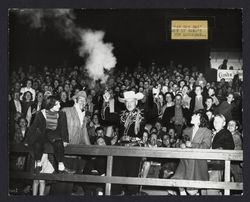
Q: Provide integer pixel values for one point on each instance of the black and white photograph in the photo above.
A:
(125, 102)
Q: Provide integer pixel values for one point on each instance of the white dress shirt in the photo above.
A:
(81, 114)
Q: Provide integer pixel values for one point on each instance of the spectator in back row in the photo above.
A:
(29, 88)
(198, 101)
(176, 115)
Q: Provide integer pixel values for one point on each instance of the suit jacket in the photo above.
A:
(223, 139)
(170, 112)
(78, 133)
(18, 137)
(192, 103)
(38, 129)
(34, 107)
(195, 169)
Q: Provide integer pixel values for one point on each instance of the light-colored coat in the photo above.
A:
(78, 133)
(189, 169)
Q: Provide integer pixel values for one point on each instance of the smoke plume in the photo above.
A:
(99, 55)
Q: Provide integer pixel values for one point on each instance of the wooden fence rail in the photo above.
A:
(110, 151)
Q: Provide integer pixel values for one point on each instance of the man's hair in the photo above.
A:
(198, 86)
(209, 98)
(30, 81)
(171, 94)
(22, 117)
(99, 128)
(220, 116)
(178, 94)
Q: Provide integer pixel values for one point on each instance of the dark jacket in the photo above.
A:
(119, 119)
(223, 139)
(170, 112)
(192, 103)
(38, 128)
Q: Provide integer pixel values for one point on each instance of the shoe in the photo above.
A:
(67, 170)
(37, 170)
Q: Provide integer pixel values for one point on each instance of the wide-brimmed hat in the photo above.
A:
(80, 94)
(131, 95)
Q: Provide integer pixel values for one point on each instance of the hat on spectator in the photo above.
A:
(80, 94)
(131, 95)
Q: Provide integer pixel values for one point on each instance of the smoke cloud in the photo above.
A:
(99, 55)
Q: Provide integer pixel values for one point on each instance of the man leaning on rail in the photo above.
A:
(131, 125)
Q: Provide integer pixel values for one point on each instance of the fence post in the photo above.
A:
(109, 174)
(227, 176)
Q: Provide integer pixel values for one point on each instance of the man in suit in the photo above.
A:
(176, 115)
(198, 101)
(76, 120)
(78, 134)
(222, 139)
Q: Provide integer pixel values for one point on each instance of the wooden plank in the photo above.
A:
(109, 174)
(227, 176)
(131, 180)
(235, 155)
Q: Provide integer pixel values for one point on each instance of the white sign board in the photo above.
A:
(228, 75)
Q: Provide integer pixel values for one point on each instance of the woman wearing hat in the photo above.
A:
(131, 126)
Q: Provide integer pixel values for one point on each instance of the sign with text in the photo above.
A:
(228, 75)
(189, 29)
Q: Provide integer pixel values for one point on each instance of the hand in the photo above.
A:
(183, 146)
(91, 124)
(65, 144)
(26, 144)
(106, 96)
(188, 144)
(33, 111)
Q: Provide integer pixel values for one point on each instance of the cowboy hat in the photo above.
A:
(131, 95)
(80, 94)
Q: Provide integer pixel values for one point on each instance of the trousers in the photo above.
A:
(125, 167)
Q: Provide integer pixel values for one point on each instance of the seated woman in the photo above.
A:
(200, 138)
(49, 126)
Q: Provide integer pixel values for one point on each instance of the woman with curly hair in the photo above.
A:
(199, 137)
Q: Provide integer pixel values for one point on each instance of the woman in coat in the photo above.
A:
(199, 138)
(49, 126)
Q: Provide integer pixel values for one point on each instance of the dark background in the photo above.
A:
(136, 34)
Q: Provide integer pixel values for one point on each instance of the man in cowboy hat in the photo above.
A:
(76, 120)
(131, 125)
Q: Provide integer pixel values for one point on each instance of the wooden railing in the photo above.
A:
(110, 151)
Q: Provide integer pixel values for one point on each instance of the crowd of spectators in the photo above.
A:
(172, 94)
